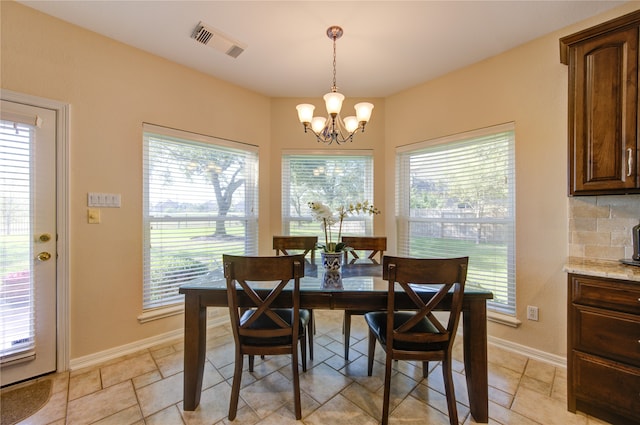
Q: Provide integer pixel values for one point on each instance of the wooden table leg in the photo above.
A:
(195, 333)
(474, 322)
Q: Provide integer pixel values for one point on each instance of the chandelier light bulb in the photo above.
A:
(305, 112)
(318, 123)
(333, 101)
(363, 111)
(351, 123)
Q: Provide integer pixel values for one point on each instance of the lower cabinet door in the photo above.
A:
(610, 385)
(609, 334)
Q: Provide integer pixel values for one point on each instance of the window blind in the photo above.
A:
(335, 179)
(200, 201)
(456, 197)
(17, 333)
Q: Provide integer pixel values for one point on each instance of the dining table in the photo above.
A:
(355, 286)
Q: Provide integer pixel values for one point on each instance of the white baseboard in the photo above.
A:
(553, 359)
(123, 350)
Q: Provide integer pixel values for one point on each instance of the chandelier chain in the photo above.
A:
(334, 88)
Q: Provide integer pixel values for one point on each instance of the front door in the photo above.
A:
(28, 237)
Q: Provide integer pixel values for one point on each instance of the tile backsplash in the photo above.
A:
(600, 226)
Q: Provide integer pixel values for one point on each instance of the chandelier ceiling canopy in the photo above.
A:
(333, 128)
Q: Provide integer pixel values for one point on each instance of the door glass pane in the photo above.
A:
(17, 333)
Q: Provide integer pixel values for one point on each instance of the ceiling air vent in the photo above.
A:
(202, 35)
(209, 36)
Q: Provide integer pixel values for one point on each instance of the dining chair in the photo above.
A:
(286, 245)
(376, 246)
(418, 334)
(306, 244)
(255, 282)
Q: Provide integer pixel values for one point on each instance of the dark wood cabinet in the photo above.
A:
(603, 107)
(603, 353)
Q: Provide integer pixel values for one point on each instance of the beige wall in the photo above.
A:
(113, 88)
(526, 85)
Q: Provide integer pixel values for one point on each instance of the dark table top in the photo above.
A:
(360, 278)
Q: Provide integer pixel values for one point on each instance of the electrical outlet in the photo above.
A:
(532, 313)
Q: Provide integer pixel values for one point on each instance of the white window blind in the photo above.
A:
(333, 178)
(456, 197)
(17, 311)
(200, 201)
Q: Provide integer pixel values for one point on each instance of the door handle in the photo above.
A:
(629, 162)
(43, 256)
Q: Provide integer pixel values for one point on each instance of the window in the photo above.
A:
(336, 178)
(200, 200)
(456, 197)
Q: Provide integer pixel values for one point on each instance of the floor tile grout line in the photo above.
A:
(551, 381)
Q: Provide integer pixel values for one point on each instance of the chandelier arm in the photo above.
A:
(334, 131)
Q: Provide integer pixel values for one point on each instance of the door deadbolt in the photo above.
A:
(44, 256)
(45, 237)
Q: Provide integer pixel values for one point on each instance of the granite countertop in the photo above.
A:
(602, 268)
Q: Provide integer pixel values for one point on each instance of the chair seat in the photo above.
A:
(377, 322)
(265, 322)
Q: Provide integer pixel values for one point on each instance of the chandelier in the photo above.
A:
(333, 128)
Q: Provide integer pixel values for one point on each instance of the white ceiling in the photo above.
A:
(387, 46)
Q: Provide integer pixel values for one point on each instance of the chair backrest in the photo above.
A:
(440, 274)
(271, 274)
(376, 244)
(306, 244)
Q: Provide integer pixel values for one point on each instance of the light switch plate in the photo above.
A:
(93, 216)
(104, 200)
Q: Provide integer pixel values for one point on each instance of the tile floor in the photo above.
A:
(146, 388)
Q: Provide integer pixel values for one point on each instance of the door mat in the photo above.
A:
(20, 403)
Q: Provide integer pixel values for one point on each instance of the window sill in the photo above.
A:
(503, 319)
(161, 313)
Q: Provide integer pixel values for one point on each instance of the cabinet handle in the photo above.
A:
(629, 161)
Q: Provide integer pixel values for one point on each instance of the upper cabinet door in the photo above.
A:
(603, 113)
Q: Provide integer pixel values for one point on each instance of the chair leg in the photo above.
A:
(312, 322)
(387, 390)
(296, 380)
(311, 329)
(303, 352)
(425, 369)
(251, 362)
(371, 353)
(449, 390)
(347, 333)
(235, 387)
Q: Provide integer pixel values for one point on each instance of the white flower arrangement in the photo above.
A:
(327, 219)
